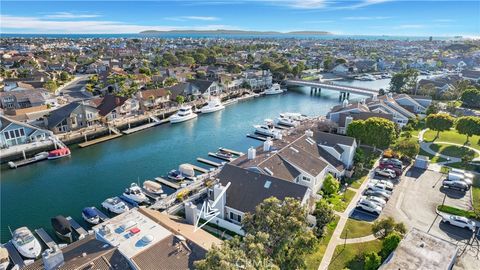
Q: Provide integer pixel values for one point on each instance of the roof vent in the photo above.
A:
(294, 150)
(267, 184)
(310, 141)
(422, 245)
(268, 171)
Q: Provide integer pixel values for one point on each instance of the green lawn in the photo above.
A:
(313, 260)
(351, 256)
(456, 211)
(451, 150)
(453, 137)
(433, 159)
(476, 193)
(341, 201)
(468, 167)
(356, 228)
(358, 182)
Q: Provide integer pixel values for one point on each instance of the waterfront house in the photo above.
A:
(15, 133)
(22, 101)
(112, 107)
(345, 118)
(410, 103)
(153, 98)
(258, 79)
(340, 69)
(204, 88)
(70, 117)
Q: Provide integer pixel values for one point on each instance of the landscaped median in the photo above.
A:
(456, 211)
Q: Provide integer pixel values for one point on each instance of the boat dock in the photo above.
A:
(99, 140)
(256, 137)
(14, 255)
(23, 162)
(155, 122)
(45, 237)
(102, 216)
(167, 183)
(79, 229)
(198, 169)
(220, 157)
(209, 162)
(231, 151)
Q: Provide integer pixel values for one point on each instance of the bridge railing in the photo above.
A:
(336, 85)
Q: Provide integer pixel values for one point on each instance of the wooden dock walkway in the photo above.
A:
(102, 215)
(155, 122)
(238, 153)
(45, 237)
(197, 168)
(256, 137)
(220, 157)
(79, 229)
(24, 162)
(209, 162)
(14, 255)
(167, 183)
(99, 140)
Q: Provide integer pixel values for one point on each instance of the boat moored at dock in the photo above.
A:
(267, 129)
(90, 215)
(115, 205)
(185, 113)
(274, 90)
(62, 228)
(175, 175)
(153, 187)
(26, 244)
(59, 153)
(213, 105)
(135, 193)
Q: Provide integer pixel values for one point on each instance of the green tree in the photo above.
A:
(64, 76)
(375, 131)
(170, 81)
(372, 261)
(89, 87)
(170, 59)
(471, 98)
(145, 70)
(50, 85)
(432, 109)
(324, 215)
(468, 125)
(386, 226)
(328, 63)
(330, 185)
(404, 81)
(200, 58)
(180, 99)
(439, 122)
(407, 147)
(390, 243)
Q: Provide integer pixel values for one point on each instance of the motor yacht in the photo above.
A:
(115, 205)
(224, 154)
(175, 175)
(152, 187)
(267, 129)
(134, 192)
(286, 121)
(294, 116)
(59, 153)
(213, 105)
(275, 89)
(62, 228)
(184, 114)
(90, 215)
(26, 244)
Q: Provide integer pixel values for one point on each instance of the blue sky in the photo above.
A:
(353, 17)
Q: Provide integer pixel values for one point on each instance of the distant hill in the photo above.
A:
(233, 32)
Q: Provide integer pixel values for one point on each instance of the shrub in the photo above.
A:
(389, 244)
(324, 215)
(372, 261)
(330, 185)
(386, 226)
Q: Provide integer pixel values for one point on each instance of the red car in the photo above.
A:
(391, 167)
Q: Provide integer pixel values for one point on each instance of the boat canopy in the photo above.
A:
(61, 225)
(89, 212)
(152, 185)
(60, 151)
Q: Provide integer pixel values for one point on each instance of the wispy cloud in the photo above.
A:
(319, 21)
(306, 4)
(443, 20)
(367, 3)
(410, 26)
(365, 18)
(324, 4)
(43, 25)
(69, 15)
(192, 18)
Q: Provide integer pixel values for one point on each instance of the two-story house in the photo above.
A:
(15, 133)
(73, 116)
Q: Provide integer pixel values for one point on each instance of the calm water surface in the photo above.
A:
(31, 195)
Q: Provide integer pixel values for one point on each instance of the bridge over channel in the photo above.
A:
(344, 90)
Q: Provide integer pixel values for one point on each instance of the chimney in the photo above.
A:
(252, 153)
(267, 144)
(52, 258)
(309, 133)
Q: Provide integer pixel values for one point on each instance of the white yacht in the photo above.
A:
(135, 193)
(213, 105)
(185, 113)
(115, 205)
(285, 121)
(267, 129)
(294, 116)
(153, 187)
(275, 89)
(90, 215)
(26, 244)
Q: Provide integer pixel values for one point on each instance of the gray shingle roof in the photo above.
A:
(58, 115)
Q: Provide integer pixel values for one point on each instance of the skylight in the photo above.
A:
(267, 184)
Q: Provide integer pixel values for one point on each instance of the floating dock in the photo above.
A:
(14, 255)
(155, 122)
(23, 162)
(231, 151)
(102, 216)
(79, 229)
(197, 168)
(167, 183)
(256, 137)
(45, 237)
(99, 140)
(219, 157)
(209, 162)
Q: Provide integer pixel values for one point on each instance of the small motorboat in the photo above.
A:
(134, 193)
(152, 187)
(267, 129)
(224, 154)
(213, 105)
(175, 175)
(4, 258)
(185, 113)
(62, 228)
(275, 89)
(59, 153)
(285, 121)
(90, 215)
(115, 205)
(26, 244)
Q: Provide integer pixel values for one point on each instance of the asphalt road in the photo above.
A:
(73, 90)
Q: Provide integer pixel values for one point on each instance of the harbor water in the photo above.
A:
(31, 195)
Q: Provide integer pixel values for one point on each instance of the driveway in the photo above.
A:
(73, 91)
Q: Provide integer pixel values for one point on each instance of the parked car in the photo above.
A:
(381, 187)
(386, 173)
(398, 171)
(377, 200)
(459, 185)
(369, 206)
(373, 182)
(453, 176)
(459, 221)
(392, 161)
(378, 193)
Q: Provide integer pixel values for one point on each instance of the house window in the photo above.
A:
(304, 178)
(7, 135)
(22, 132)
(235, 218)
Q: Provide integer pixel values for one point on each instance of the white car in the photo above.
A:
(373, 182)
(377, 200)
(369, 206)
(459, 221)
(386, 173)
(381, 187)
